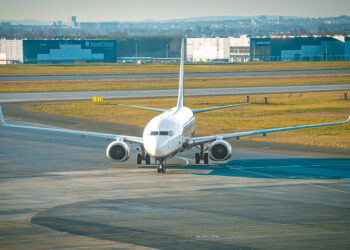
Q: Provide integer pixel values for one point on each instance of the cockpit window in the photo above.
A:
(163, 133)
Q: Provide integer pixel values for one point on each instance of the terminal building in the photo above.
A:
(57, 51)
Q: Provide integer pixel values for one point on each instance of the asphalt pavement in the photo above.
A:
(171, 75)
(60, 192)
(146, 93)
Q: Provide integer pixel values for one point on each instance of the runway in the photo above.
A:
(60, 192)
(120, 94)
(171, 75)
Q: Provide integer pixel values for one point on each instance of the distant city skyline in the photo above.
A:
(140, 10)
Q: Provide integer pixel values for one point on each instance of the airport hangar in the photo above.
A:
(57, 51)
(277, 48)
(231, 49)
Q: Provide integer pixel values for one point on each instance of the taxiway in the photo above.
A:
(154, 93)
(61, 192)
(172, 75)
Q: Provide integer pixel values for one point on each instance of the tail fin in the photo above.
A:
(180, 100)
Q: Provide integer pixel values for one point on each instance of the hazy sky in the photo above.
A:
(136, 10)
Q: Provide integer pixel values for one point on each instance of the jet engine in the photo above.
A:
(220, 150)
(118, 151)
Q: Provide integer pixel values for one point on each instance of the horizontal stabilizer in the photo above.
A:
(146, 108)
(215, 108)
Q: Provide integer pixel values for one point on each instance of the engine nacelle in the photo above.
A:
(118, 151)
(220, 150)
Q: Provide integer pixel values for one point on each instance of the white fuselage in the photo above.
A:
(164, 135)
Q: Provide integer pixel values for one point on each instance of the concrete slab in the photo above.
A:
(60, 192)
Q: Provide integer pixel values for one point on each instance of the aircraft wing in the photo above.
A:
(133, 139)
(220, 107)
(205, 139)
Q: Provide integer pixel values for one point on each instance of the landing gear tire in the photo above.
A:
(161, 168)
(148, 159)
(198, 158)
(139, 159)
(206, 158)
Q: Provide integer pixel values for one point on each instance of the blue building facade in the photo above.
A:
(67, 51)
(297, 49)
(347, 48)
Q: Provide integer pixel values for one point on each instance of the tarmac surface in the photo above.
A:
(171, 75)
(149, 93)
(60, 192)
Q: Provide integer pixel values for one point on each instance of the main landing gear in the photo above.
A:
(147, 159)
(202, 156)
(143, 157)
(161, 167)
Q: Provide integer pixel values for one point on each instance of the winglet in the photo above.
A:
(180, 100)
(3, 123)
(347, 120)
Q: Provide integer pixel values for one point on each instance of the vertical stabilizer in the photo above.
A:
(180, 100)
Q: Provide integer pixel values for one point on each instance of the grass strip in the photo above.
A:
(283, 110)
(110, 68)
(162, 83)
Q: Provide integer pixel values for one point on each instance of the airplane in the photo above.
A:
(169, 133)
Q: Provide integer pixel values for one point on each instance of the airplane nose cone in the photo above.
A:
(156, 147)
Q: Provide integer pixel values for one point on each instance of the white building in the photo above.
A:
(239, 49)
(218, 49)
(72, 22)
(207, 49)
(11, 51)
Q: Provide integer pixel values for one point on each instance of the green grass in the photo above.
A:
(109, 68)
(162, 83)
(284, 110)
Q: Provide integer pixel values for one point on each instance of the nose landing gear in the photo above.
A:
(161, 167)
